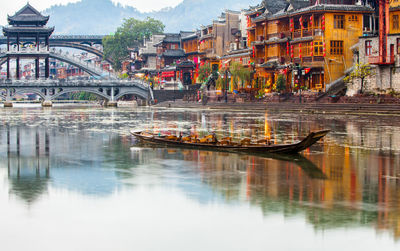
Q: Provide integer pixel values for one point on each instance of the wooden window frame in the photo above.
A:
(368, 48)
(318, 48)
(339, 21)
(336, 47)
(398, 46)
(395, 22)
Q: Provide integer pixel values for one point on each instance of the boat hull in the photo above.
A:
(310, 140)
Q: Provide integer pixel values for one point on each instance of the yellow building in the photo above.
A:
(310, 44)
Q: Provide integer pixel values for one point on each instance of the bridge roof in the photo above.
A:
(28, 15)
(67, 38)
(26, 30)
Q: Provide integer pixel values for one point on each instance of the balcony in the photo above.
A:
(274, 35)
(307, 33)
(376, 60)
(260, 38)
(297, 34)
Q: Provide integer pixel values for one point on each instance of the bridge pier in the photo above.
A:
(111, 104)
(47, 103)
(8, 104)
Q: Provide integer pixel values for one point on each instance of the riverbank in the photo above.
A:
(313, 108)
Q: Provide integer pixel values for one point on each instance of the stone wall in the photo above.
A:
(384, 77)
(170, 95)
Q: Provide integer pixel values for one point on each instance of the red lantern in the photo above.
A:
(311, 21)
(301, 22)
(291, 25)
(287, 48)
(323, 23)
(312, 49)
(292, 51)
(254, 52)
(324, 49)
(307, 70)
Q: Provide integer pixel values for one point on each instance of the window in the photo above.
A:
(353, 18)
(398, 46)
(336, 47)
(395, 24)
(368, 48)
(338, 21)
(318, 48)
(308, 49)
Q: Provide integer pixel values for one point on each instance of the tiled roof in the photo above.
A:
(190, 36)
(298, 4)
(174, 53)
(172, 38)
(273, 6)
(325, 7)
(28, 14)
(24, 29)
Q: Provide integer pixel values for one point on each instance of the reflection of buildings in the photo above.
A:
(349, 196)
(28, 173)
(358, 160)
(31, 153)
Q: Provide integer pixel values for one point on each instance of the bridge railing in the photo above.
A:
(42, 49)
(51, 83)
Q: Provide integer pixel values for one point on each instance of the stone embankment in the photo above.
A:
(312, 108)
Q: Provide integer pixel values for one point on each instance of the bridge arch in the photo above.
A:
(29, 90)
(81, 46)
(88, 90)
(92, 72)
(137, 92)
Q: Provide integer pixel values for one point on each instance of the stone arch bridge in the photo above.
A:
(90, 68)
(110, 90)
(80, 42)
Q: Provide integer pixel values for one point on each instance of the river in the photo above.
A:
(74, 179)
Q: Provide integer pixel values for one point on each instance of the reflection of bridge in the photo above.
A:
(48, 90)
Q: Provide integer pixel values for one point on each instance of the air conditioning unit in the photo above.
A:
(233, 47)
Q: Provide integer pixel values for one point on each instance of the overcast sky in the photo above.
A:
(11, 6)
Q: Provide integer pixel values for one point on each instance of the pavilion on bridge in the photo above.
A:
(26, 34)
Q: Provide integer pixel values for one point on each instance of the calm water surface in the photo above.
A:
(74, 179)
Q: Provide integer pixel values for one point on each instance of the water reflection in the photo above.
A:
(28, 175)
(349, 180)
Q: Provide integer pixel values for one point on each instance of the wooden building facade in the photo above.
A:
(310, 44)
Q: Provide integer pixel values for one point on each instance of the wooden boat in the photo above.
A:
(310, 140)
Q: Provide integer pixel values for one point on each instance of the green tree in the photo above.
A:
(132, 33)
(361, 71)
(240, 74)
(280, 83)
(204, 72)
(83, 96)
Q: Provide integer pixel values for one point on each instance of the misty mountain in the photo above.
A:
(103, 16)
